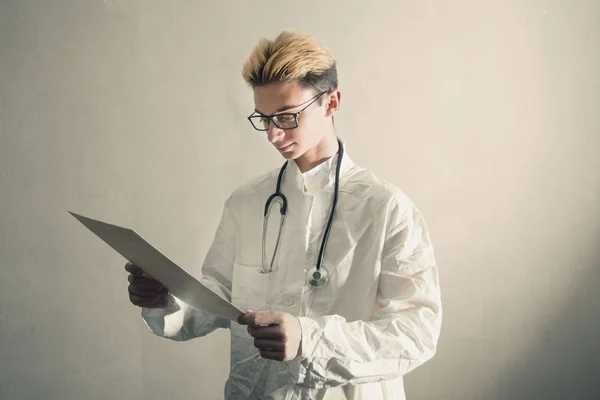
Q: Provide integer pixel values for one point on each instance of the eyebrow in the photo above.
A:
(280, 109)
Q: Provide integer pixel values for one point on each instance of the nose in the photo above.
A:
(274, 133)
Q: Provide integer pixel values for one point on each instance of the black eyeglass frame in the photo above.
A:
(272, 118)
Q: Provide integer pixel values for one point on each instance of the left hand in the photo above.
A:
(281, 340)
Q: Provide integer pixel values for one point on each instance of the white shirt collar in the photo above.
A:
(321, 177)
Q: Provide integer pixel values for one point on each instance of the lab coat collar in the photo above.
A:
(321, 177)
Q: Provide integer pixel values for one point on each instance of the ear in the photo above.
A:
(332, 102)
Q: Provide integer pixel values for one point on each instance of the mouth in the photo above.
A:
(285, 148)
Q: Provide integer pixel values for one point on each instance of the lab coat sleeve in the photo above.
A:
(178, 321)
(404, 328)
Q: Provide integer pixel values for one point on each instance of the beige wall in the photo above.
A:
(485, 113)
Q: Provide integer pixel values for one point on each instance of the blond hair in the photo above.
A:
(291, 57)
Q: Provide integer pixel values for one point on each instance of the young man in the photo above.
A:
(370, 314)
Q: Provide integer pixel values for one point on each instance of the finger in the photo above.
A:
(149, 302)
(133, 269)
(140, 301)
(268, 318)
(267, 332)
(146, 292)
(262, 318)
(160, 302)
(245, 318)
(271, 355)
(143, 300)
(143, 282)
(272, 345)
(150, 290)
(144, 296)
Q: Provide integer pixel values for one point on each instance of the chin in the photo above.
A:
(292, 155)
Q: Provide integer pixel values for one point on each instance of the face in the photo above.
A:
(313, 123)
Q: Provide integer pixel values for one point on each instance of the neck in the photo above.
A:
(323, 151)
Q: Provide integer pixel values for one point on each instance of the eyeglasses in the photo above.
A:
(282, 121)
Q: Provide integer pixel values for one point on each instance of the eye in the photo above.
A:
(285, 118)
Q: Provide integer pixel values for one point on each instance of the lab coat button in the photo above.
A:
(281, 365)
(289, 300)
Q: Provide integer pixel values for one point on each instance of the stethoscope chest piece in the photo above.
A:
(317, 279)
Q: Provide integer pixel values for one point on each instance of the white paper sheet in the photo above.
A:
(141, 253)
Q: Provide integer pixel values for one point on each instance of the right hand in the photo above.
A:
(144, 291)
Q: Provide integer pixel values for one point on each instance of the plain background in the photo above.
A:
(486, 113)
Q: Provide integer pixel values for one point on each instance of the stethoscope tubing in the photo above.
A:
(318, 279)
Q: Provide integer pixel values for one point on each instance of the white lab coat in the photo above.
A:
(378, 317)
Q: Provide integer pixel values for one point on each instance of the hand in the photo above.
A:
(281, 340)
(145, 291)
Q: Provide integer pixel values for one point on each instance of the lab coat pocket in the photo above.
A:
(249, 287)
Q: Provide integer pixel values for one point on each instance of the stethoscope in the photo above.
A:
(317, 276)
